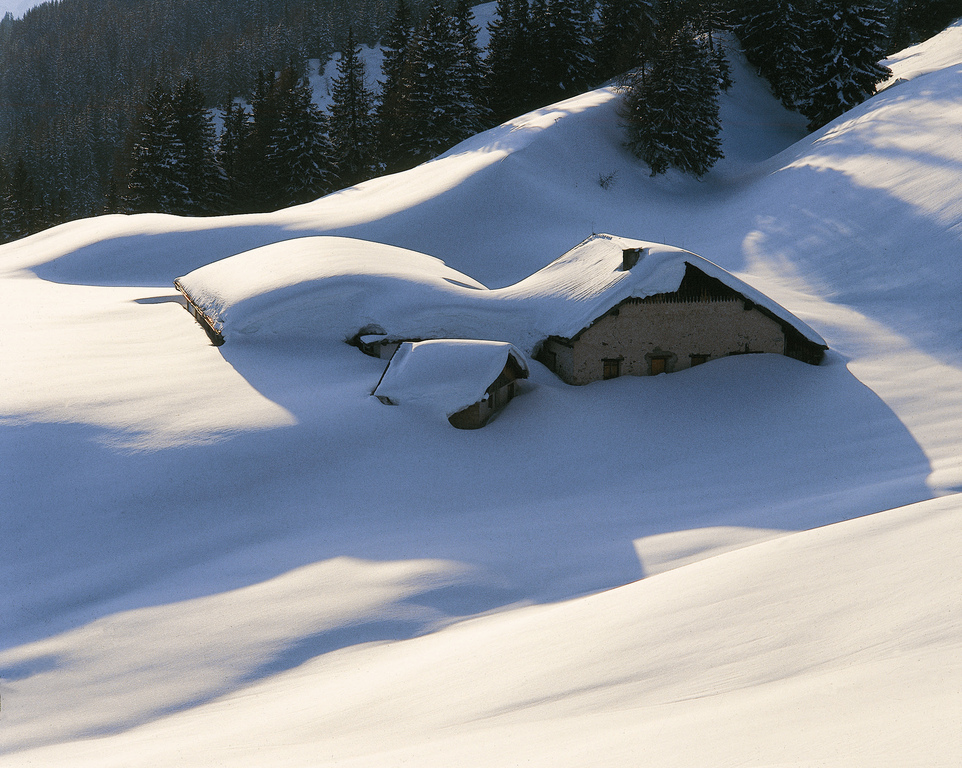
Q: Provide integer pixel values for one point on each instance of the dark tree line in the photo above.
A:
(84, 129)
(75, 74)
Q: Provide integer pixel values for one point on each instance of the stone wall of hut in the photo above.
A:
(642, 337)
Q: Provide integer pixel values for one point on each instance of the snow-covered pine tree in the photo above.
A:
(256, 178)
(709, 18)
(19, 214)
(570, 65)
(231, 155)
(195, 169)
(151, 182)
(508, 81)
(351, 119)
(671, 113)
(916, 20)
(849, 41)
(471, 114)
(625, 36)
(393, 114)
(299, 151)
(776, 36)
(431, 98)
(540, 71)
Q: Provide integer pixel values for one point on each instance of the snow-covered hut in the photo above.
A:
(465, 380)
(608, 307)
(641, 309)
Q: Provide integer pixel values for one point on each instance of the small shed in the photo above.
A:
(466, 381)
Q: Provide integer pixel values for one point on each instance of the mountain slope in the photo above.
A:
(200, 543)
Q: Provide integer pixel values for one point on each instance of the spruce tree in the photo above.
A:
(151, 181)
(541, 69)
(671, 113)
(232, 156)
(431, 98)
(258, 178)
(195, 170)
(471, 113)
(777, 39)
(508, 84)
(172, 165)
(19, 209)
(351, 119)
(393, 112)
(299, 152)
(571, 44)
(625, 36)
(849, 41)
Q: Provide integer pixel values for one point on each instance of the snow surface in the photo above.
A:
(445, 376)
(236, 556)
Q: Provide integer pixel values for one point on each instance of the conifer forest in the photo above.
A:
(204, 108)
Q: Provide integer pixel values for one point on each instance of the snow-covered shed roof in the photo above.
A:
(587, 281)
(333, 287)
(445, 375)
(324, 286)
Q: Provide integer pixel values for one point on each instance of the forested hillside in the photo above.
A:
(108, 105)
(75, 73)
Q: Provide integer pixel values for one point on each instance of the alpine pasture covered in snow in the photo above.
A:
(237, 556)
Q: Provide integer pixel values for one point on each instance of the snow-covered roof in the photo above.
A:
(334, 287)
(587, 281)
(325, 286)
(445, 375)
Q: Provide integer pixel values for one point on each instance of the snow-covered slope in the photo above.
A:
(237, 556)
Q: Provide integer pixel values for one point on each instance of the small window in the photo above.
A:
(659, 365)
(612, 369)
(698, 360)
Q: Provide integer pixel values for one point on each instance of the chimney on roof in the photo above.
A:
(630, 257)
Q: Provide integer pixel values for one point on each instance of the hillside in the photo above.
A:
(234, 555)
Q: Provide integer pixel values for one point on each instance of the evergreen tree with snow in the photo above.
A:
(849, 40)
(569, 65)
(393, 113)
(671, 112)
(232, 155)
(709, 18)
(471, 113)
(151, 180)
(351, 119)
(562, 62)
(508, 83)
(195, 169)
(625, 36)
(776, 36)
(256, 178)
(173, 166)
(560, 48)
(19, 211)
(299, 152)
(440, 111)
